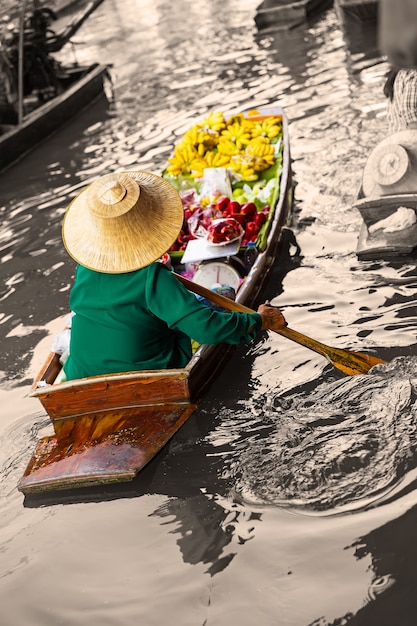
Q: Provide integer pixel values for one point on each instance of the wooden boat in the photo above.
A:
(82, 86)
(284, 14)
(360, 31)
(357, 10)
(63, 7)
(78, 15)
(59, 92)
(71, 15)
(107, 428)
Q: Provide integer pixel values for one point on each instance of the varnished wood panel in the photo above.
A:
(106, 393)
(82, 456)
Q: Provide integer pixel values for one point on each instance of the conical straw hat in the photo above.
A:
(391, 166)
(122, 222)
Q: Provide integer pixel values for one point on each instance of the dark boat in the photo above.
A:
(107, 428)
(40, 94)
(357, 10)
(284, 14)
(360, 31)
(81, 87)
(70, 15)
(63, 7)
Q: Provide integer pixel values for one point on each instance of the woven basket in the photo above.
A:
(391, 167)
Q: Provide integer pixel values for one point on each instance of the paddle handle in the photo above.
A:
(232, 305)
(213, 296)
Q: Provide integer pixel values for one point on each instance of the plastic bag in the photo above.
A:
(215, 183)
(200, 221)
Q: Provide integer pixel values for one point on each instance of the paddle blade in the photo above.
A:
(352, 363)
(348, 361)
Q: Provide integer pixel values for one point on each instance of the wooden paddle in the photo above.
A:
(347, 361)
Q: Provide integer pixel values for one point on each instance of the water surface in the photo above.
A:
(289, 497)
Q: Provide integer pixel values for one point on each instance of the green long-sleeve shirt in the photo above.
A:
(143, 320)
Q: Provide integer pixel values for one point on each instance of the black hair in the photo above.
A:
(389, 83)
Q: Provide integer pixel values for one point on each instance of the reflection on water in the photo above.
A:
(208, 529)
(360, 35)
(391, 548)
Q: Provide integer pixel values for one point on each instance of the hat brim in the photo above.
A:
(129, 241)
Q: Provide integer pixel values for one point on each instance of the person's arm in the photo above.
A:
(169, 300)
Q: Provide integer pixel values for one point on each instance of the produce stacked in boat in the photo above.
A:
(227, 172)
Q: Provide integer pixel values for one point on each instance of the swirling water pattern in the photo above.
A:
(343, 446)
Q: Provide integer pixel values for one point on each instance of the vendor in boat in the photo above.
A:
(41, 72)
(130, 312)
(8, 91)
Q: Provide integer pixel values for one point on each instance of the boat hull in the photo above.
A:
(102, 448)
(281, 14)
(88, 85)
(357, 10)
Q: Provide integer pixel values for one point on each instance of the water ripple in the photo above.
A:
(340, 448)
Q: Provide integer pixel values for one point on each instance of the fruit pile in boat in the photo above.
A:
(227, 172)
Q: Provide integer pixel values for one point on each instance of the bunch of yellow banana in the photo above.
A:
(242, 144)
(180, 162)
(213, 122)
(263, 151)
(269, 128)
(210, 159)
(240, 119)
(237, 133)
(227, 147)
(201, 139)
(258, 156)
(243, 169)
(216, 159)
